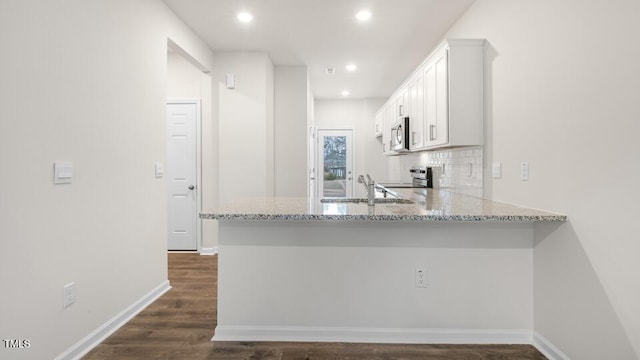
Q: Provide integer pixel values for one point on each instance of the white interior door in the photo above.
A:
(334, 168)
(182, 175)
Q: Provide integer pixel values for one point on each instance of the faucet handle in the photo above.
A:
(361, 179)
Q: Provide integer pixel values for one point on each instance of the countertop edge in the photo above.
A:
(382, 218)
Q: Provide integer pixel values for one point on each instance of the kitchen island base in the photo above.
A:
(355, 281)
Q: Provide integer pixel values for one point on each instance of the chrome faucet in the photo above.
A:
(369, 186)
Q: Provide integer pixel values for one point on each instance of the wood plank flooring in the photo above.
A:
(181, 323)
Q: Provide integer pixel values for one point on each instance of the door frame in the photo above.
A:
(198, 104)
(319, 173)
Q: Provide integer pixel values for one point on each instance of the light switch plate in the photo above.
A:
(62, 172)
(496, 170)
(231, 81)
(421, 277)
(68, 294)
(159, 169)
(524, 171)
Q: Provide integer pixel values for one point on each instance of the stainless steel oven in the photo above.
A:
(421, 177)
(400, 135)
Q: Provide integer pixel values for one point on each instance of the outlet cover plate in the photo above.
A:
(68, 294)
(421, 277)
(524, 171)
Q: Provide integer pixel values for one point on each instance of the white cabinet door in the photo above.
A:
(378, 124)
(441, 135)
(403, 104)
(385, 133)
(436, 100)
(416, 116)
(430, 119)
(390, 116)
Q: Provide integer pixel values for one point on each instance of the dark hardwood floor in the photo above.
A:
(181, 323)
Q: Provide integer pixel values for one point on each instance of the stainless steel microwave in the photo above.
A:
(400, 135)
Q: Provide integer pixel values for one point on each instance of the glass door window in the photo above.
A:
(335, 163)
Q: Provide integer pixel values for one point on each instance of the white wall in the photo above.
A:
(186, 81)
(290, 140)
(245, 120)
(562, 94)
(82, 81)
(311, 124)
(345, 281)
(357, 114)
(269, 127)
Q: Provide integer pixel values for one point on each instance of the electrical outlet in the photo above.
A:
(421, 277)
(524, 171)
(68, 294)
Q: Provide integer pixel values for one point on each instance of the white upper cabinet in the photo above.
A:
(389, 118)
(437, 99)
(459, 93)
(378, 123)
(416, 112)
(444, 98)
(402, 102)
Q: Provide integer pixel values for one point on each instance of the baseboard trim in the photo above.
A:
(209, 251)
(547, 348)
(369, 335)
(90, 341)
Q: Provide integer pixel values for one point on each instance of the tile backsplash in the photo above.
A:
(459, 170)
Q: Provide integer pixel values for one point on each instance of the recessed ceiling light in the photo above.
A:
(351, 67)
(363, 15)
(245, 17)
(345, 93)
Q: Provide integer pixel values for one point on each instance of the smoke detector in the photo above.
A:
(330, 71)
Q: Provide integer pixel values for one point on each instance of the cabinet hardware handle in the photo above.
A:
(432, 132)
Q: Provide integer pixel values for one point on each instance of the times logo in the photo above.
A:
(17, 344)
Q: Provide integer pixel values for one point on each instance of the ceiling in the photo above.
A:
(325, 33)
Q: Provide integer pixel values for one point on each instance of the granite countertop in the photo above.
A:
(429, 205)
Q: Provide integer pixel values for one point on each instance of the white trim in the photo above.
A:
(198, 104)
(90, 341)
(209, 251)
(371, 335)
(547, 348)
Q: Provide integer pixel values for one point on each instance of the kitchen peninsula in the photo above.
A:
(440, 268)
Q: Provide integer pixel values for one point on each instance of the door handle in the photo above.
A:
(191, 187)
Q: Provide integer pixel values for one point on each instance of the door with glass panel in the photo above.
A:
(334, 177)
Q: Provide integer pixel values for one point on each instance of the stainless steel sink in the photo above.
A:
(363, 200)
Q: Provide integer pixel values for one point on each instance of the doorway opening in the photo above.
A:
(189, 101)
(335, 163)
